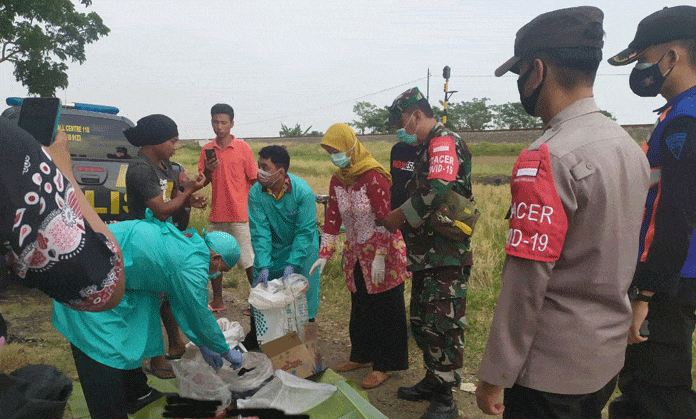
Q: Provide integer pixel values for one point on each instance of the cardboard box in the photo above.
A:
(290, 354)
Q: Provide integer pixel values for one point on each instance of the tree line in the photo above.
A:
(472, 115)
(476, 114)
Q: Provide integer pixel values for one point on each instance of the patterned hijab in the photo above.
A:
(342, 138)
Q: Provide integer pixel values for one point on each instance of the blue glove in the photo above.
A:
(262, 277)
(211, 357)
(235, 358)
(289, 270)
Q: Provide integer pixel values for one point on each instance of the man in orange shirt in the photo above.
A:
(229, 164)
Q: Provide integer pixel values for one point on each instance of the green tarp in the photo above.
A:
(346, 403)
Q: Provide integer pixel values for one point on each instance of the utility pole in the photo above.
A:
(427, 94)
(448, 93)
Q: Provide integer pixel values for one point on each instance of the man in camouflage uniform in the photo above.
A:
(440, 264)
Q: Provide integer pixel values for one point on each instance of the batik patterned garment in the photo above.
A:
(45, 238)
(358, 206)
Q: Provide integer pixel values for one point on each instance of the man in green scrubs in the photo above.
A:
(283, 223)
(108, 347)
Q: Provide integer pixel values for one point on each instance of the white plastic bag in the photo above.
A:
(256, 369)
(197, 380)
(289, 393)
(280, 308)
(233, 331)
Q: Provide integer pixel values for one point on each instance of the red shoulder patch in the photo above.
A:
(444, 164)
(538, 222)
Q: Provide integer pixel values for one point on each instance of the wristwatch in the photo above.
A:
(634, 294)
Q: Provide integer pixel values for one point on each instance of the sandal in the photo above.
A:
(350, 366)
(217, 309)
(162, 373)
(374, 379)
(174, 357)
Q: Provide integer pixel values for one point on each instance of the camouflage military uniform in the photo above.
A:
(440, 265)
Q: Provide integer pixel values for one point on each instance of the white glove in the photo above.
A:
(320, 263)
(378, 269)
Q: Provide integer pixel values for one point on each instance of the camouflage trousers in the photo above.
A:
(438, 305)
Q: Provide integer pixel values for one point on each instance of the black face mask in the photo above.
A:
(529, 102)
(646, 79)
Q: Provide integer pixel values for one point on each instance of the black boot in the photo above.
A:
(423, 390)
(442, 405)
(623, 408)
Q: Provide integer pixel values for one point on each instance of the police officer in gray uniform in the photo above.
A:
(560, 329)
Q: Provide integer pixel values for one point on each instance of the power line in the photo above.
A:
(515, 75)
(378, 92)
(334, 104)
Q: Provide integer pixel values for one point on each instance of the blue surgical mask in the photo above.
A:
(404, 137)
(340, 160)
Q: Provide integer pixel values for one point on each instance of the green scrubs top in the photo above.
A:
(157, 258)
(284, 232)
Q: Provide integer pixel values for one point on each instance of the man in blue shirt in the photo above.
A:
(656, 379)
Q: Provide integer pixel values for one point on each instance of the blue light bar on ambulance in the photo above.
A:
(17, 101)
(13, 101)
(95, 108)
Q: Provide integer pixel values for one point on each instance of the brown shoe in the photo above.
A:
(349, 366)
(374, 379)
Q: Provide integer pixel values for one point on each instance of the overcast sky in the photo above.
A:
(310, 61)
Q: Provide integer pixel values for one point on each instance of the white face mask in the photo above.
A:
(264, 177)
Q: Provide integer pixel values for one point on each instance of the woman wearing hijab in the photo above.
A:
(374, 260)
(109, 347)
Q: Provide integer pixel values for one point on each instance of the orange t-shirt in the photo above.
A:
(231, 181)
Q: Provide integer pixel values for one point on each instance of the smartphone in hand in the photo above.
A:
(210, 154)
(39, 117)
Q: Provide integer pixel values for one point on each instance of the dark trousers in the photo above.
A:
(655, 381)
(107, 389)
(378, 332)
(526, 403)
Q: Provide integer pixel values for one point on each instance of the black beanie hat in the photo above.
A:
(152, 130)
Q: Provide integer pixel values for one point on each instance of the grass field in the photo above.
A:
(310, 162)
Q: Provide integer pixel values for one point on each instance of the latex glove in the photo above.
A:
(320, 263)
(289, 270)
(262, 277)
(235, 358)
(211, 357)
(378, 269)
